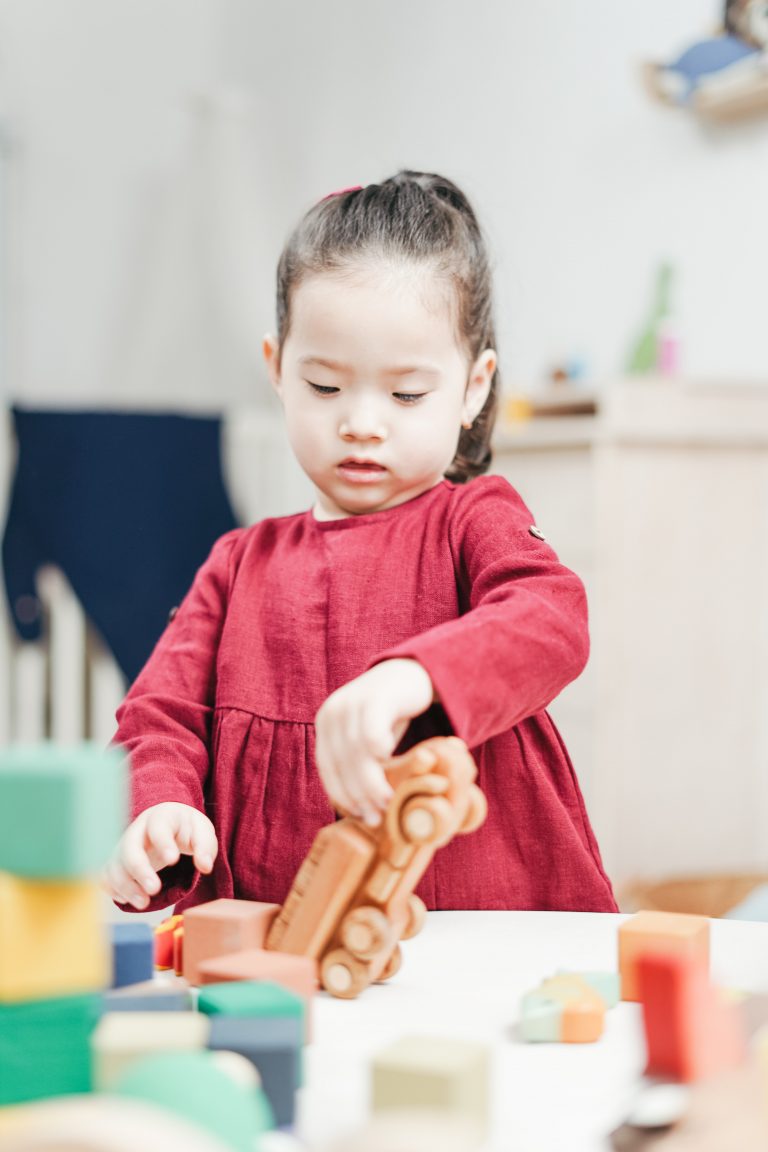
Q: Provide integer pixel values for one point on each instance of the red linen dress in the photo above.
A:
(284, 612)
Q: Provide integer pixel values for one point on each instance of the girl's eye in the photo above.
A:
(409, 397)
(322, 389)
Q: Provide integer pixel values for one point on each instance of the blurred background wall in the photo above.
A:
(158, 151)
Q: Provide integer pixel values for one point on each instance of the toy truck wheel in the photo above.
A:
(365, 932)
(477, 810)
(417, 912)
(343, 975)
(392, 966)
(426, 819)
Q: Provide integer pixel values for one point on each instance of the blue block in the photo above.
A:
(133, 953)
(273, 1044)
(150, 996)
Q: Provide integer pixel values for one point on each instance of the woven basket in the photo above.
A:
(712, 895)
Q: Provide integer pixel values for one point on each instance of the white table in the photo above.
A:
(463, 976)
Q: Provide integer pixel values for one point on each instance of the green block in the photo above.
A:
(45, 1047)
(249, 998)
(193, 1085)
(540, 1019)
(62, 808)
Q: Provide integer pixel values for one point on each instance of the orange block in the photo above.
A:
(669, 932)
(297, 973)
(222, 927)
(164, 941)
(691, 1030)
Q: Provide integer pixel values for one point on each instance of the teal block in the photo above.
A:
(606, 984)
(250, 998)
(540, 1019)
(191, 1084)
(62, 808)
(45, 1047)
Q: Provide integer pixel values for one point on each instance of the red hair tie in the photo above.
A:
(341, 191)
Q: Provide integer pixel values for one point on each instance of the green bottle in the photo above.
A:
(646, 353)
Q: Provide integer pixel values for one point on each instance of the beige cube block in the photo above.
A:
(121, 1038)
(659, 932)
(221, 927)
(53, 940)
(435, 1073)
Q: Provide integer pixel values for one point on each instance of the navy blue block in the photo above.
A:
(274, 1045)
(133, 953)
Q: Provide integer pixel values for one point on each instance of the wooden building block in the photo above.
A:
(564, 1009)
(133, 953)
(692, 1032)
(606, 984)
(45, 1047)
(670, 932)
(164, 941)
(433, 1072)
(296, 973)
(53, 940)
(273, 1045)
(149, 996)
(195, 1085)
(221, 927)
(62, 809)
(250, 998)
(122, 1038)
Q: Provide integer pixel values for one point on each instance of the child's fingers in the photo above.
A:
(134, 859)
(195, 837)
(123, 888)
(160, 839)
(370, 787)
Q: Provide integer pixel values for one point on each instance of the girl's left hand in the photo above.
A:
(358, 728)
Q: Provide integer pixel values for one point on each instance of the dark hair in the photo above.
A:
(422, 218)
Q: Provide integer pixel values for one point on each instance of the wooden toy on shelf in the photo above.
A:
(352, 900)
(670, 932)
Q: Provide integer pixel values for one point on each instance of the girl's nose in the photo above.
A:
(363, 423)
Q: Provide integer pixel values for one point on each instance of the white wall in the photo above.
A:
(141, 227)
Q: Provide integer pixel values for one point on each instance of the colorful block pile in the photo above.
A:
(61, 811)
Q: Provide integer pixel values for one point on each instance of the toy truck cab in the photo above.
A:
(352, 900)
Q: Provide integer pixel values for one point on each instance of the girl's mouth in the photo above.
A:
(360, 471)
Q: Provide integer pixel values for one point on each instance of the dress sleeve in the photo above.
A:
(523, 633)
(164, 722)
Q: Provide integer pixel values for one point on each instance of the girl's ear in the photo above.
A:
(272, 360)
(478, 386)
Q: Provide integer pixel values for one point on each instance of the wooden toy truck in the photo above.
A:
(352, 900)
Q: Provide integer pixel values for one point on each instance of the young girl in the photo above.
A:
(415, 598)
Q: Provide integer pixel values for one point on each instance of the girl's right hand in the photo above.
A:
(157, 838)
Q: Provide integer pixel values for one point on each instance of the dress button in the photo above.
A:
(534, 531)
(172, 613)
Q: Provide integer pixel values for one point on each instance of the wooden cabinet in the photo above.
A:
(661, 505)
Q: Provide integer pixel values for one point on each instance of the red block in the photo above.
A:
(164, 941)
(691, 1032)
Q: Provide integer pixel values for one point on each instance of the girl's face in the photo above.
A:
(375, 386)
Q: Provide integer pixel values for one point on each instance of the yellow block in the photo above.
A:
(122, 1038)
(52, 940)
